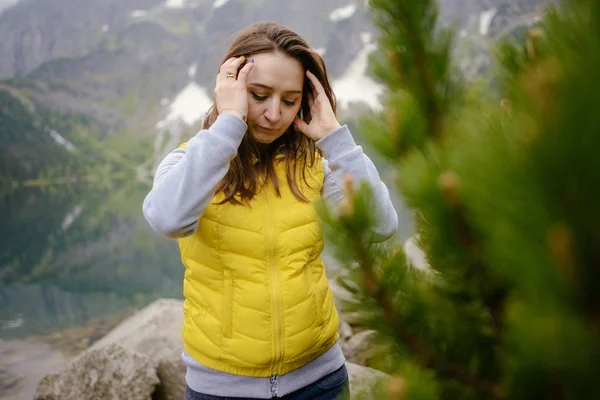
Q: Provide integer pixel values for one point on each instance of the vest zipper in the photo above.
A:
(277, 336)
(273, 380)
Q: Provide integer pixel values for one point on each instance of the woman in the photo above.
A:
(260, 320)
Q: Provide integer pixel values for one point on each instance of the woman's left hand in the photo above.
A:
(323, 120)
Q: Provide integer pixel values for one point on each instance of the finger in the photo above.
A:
(226, 64)
(311, 100)
(235, 65)
(315, 83)
(301, 125)
(231, 65)
(242, 76)
(314, 96)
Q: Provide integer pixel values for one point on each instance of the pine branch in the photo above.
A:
(494, 300)
(417, 47)
(445, 368)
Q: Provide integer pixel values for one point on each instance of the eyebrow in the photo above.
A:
(270, 88)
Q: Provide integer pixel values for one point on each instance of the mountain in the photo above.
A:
(38, 143)
(143, 70)
(481, 23)
(101, 90)
(116, 60)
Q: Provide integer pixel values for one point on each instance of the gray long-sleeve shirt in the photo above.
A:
(185, 183)
(186, 179)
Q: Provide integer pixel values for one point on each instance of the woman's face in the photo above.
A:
(274, 95)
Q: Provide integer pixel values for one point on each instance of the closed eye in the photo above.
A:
(263, 98)
(259, 98)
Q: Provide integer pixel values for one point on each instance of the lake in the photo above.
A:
(73, 257)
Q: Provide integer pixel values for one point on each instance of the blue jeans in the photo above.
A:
(334, 386)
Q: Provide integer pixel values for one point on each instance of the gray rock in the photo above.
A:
(171, 372)
(141, 359)
(361, 348)
(128, 361)
(112, 372)
(365, 383)
(345, 302)
(154, 331)
(345, 330)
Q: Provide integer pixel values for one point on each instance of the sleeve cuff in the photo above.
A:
(230, 128)
(337, 143)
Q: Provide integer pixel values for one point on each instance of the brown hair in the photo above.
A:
(252, 168)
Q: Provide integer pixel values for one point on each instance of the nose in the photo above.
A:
(273, 111)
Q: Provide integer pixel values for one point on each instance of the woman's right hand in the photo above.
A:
(231, 94)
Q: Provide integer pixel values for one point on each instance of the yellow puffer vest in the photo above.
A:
(257, 299)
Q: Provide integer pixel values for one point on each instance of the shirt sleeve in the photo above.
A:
(186, 178)
(342, 156)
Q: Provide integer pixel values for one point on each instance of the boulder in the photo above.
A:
(345, 330)
(361, 348)
(365, 383)
(109, 373)
(141, 359)
(345, 303)
(148, 337)
(171, 373)
(154, 331)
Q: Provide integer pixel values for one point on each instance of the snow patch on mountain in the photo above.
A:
(342, 13)
(219, 3)
(355, 86)
(6, 4)
(58, 138)
(71, 217)
(192, 71)
(139, 13)
(175, 3)
(189, 106)
(485, 19)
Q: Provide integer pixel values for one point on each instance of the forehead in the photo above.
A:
(279, 71)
